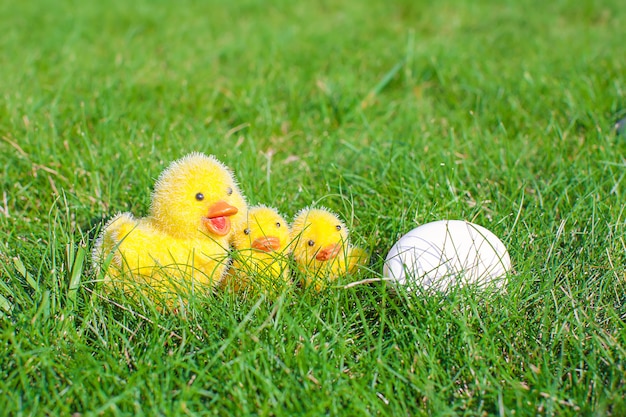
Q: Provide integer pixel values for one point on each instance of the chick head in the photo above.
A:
(197, 194)
(265, 231)
(318, 237)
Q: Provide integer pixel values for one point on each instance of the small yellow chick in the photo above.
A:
(262, 249)
(321, 248)
(182, 246)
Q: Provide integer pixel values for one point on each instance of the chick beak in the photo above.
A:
(328, 252)
(266, 243)
(217, 220)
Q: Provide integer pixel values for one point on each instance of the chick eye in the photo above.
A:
(277, 224)
(338, 227)
(311, 242)
(246, 231)
(199, 196)
(229, 191)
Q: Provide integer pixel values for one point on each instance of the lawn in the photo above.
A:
(391, 114)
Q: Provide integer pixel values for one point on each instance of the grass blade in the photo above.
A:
(19, 265)
(5, 304)
(76, 274)
(384, 82)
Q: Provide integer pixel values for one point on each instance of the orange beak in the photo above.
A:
(217, 220)
(329, 252)
(266, 243)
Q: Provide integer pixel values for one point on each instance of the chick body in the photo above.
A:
(183, 243)
(321, 247)
(262, 249)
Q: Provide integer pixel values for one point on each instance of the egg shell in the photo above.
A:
(448, 253)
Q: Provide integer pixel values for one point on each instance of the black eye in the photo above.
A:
(338, 227)
(246, 231)
(277, 224)
(229, 191)
(199, 196)
(311, 242)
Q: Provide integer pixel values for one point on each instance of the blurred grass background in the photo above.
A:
(393, 114)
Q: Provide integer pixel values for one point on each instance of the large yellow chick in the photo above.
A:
(182, 246)
(321, 248)
(260, 262)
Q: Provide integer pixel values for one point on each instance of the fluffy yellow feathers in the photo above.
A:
(183, 243)
(321, 248)
(260, 262)
(197, 213)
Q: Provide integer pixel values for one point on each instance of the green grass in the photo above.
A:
(392, 114)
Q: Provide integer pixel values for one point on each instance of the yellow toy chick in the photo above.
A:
(321, 248)
(262, 249)
(182, 246)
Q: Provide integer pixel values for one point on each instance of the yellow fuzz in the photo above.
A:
(314, 229)
(255, 270)
(172, 251)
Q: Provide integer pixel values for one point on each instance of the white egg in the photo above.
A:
(448, 253)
